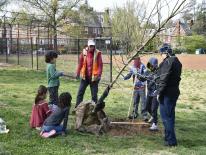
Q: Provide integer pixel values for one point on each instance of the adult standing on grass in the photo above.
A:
(168, 91)
(89, 70)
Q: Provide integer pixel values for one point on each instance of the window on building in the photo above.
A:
(94, 30)
(86, 30)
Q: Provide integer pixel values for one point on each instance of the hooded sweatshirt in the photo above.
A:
(152, 76)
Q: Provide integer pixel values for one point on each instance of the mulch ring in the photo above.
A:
(128, 129)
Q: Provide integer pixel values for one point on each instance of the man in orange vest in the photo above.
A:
(89, 70)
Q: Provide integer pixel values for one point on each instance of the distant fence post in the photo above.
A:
(110, 59)
(108, 43)
(6, 50)
(78, 49)
(37, 51)
(37, 59)
(32, 61)
(48, 38)
(5, 40)
(18, 46)
(31, 43)
(11, 40)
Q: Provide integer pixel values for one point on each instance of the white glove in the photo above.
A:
(158, 98)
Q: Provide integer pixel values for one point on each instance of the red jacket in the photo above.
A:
(90, 56)
(39, 113)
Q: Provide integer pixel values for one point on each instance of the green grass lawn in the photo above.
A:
(67, 63)
(17, 90)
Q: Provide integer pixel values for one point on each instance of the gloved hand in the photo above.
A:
(98, 78)
(77, 77)
(155, 93)
(141, 77)
(158, 98)
(61, 73)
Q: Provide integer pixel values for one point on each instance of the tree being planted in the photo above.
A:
(155, 15)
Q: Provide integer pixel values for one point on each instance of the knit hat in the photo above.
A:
(165, 49)
(153, 62)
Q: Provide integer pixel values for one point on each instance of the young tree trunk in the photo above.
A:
(55, 40)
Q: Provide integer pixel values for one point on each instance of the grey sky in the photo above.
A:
(100, 5)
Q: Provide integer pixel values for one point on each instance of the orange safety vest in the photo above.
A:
(94, 68)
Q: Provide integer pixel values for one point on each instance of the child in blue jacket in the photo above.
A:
(151, 102)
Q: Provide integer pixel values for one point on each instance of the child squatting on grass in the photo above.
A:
(52, 125)
(53, 78)
(40, 109)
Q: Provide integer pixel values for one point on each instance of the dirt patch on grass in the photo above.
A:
(130, 129)
(189, 61)
(2, 65)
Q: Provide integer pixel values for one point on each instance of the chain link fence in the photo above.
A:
(29, 52)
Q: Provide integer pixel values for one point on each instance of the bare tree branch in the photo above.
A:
(136, 51)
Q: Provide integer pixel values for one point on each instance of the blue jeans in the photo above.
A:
(53, 95)
(167, 112)
(58, 128)
(140, 94)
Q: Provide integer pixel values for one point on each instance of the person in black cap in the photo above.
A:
(168, 91)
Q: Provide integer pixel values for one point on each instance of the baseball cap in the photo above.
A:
(91, 43)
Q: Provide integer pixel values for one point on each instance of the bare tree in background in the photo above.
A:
(160, 14)
(3, 3)
(126, 25)
(56, 13)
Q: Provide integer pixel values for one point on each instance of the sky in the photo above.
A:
(100, 5)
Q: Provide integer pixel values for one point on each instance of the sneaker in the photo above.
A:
(48, 134)
(150, 120)
(153, 127)
(38, 128)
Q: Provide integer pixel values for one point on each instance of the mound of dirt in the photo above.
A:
(129, 128)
